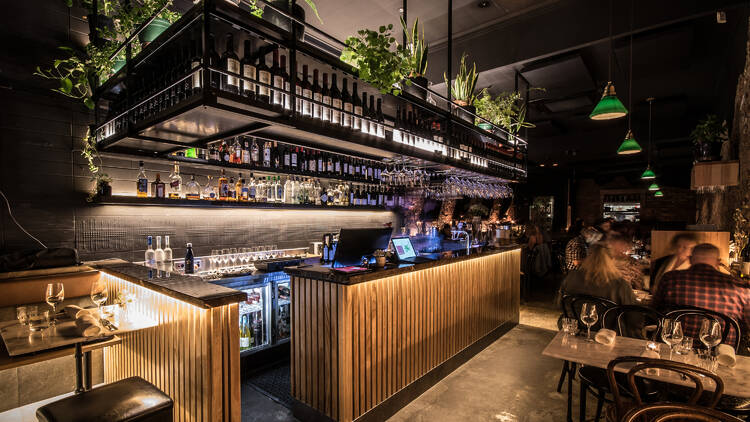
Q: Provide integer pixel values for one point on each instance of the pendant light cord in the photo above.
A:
(611, 43)
(630, 84)
(648, 153)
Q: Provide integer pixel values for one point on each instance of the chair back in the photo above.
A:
(632, 320)
(693, 315)
(572, 304)
(663, 412)
(641, 364)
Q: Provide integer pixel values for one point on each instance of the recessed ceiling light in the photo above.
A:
(484, 3)
(554, 164)
(541, 165)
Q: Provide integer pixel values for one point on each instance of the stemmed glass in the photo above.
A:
(710, 333)
(55, 294)
(671, 333)
(589, 317)
(99, 294)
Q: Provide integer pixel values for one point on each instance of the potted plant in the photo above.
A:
(708, 137)
(296, 11)
(463, 88)
(503, 111)
(416, 50)
(100, 23)
(379, 60)
(160, 24)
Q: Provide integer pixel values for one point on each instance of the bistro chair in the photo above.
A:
(571, 308)
(664, 412)
(693, 312)
(625, 320)
(623, 405)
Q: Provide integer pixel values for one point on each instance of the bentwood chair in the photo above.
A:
(696, 375)
(625, 320)
(664, 412)
(571, 308)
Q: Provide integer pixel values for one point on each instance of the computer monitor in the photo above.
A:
(353, 244)
(404, 248)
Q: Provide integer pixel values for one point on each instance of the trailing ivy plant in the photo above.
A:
(465, 83)
(378, 58)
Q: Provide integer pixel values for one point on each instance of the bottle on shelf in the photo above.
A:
(287, 90)
(293, 158)
(192, 189)
(356, 108)
(365, 120)
(224, 152)
(236, 157)
(195, 64)
(223, 187)
(266, 154)
(242, 191)
(317, 96)
(175, 183)
(248, 70)
(307, 94)
(232, 187)
(277, 79)
(264, 77)
(255, 153)
(347, 106)
(158, 252)
(275, 155)
(279, 190)
(380, 131)
(167, 251)
(336, 104)
(214, 61)
(260, 190)
(325, 95)
(150, 256)
(141, 183)
(230, 64)
(157, 187)
(246, 333)
(246, 153)
(189, 260)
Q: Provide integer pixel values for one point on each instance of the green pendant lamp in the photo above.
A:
(630, 146)
(654, 187)
(649, 174)
(609, 107)
(658, 194)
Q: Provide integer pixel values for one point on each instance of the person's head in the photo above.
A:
(705, 253)
(591, 235)
(598, 267)
(618, 244)
(605, 225)
(683, 243)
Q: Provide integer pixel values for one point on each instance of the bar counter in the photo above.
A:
(365, 345)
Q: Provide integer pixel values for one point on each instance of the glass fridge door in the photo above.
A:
(254, 318)
(282, 329)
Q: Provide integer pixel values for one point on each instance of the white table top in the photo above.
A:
(577, 349)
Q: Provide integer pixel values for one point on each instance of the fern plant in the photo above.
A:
(465, 83)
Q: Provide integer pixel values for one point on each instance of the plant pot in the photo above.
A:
(153, 30)
(282, 21)
(708, 151)
(420, 90)
(103, 190)
(102, 23)
(484, 126)
(119, 64)
(466, 113)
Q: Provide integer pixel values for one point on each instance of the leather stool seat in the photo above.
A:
(132, 399)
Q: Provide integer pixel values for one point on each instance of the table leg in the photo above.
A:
(570, 391)
(87, 371)
(79, 369)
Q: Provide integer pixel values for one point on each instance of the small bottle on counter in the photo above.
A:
(189, 260)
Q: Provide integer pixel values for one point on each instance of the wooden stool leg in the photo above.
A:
(565, 371)
(582, 403)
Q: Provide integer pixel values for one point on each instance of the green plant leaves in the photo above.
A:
(314, 9)
(88, 103)
(377, 57)
(66, 85)
(465, 83)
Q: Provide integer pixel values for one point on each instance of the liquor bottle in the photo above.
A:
(224, 151)
(231, 64)
(246, 153)
(175, 183)
(337, 165)
(277, 94)
(380, 131)
(189, 260)
(267, 154)
(150, 257)
(158, 252)
(141, 185)
(248, 70)
(260, 191)
(325, 95)
(287, 90)
(307, 94)
(255, 153)
(302, 160)
(279, 190)
(195, 64)
(345, 166)
(329, 164)
(250, 187)
(293, 158)
(286, 156)
(236, 152)
(213, 153)
(366, 119)
(264, 77)
(223, 187)
(232, 187)
(213, 61)
(275, 155)
(336, 105)
(287, 191)
(316, 96)
(167, 251)
(357, 107)
(312, 162)
(242, 190)
(157, 187)
(192, 189)
(270, 190)
(245, 332)
(348, 106)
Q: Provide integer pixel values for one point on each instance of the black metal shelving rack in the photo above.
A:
(215, 114)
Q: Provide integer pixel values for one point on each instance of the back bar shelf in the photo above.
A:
(177, 93)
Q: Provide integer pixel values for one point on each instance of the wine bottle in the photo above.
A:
(380, 132)
(316, 96)
(336, 106)
(264, 77)
(255, 153)
(293, 158)
(214, 61)
(249, 70)
(195, 64)
(306, 94)
(325, 95)
(245, 333)
(230, 64)
(189, 260)
(285, 78)
(348, 106)
(365, 120)
(357, 108)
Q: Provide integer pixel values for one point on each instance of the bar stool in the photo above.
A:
(132, 399)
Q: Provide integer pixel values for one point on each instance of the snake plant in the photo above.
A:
(465, 83)
(416, 49)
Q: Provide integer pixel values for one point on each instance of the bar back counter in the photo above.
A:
(365, 345)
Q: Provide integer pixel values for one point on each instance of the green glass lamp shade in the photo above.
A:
(648, 174)
(629, 145)
(609, 106)
(653, 187)
(658, 194)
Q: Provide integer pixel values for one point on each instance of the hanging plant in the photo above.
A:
(101, 180)
(379, 60)
(465, 83)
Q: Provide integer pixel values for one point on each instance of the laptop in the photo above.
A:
(353, 244)
(405, 251)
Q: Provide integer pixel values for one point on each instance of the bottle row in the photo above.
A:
(272, 155)
(293, 190)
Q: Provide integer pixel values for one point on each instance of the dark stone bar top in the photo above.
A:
(321, 272)
(188, 289)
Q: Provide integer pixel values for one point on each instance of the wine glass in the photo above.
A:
(710, 333)
(671, 333)
(99, 294)
(589, 317)
(55, 294)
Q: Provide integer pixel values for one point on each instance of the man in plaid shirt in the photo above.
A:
(702, 285)
(577, 247)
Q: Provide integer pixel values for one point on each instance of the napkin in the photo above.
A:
(605, 337)
(725, 355)
(73, 311)
(88, 326)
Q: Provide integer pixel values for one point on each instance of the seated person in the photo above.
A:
(704, 286)
(598, 276)
(631, 271)
(576, 248)
(681, 245)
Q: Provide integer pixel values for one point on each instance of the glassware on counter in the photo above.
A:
(54, 295)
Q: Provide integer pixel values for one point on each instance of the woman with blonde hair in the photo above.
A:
(598, 276)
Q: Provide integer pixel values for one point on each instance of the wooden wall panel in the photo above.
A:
(192, 355)
(353, 346)
(660, 240)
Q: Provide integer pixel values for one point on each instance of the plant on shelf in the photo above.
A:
(462, 88)
(416, 50)
(708, 136)
(377, 57)
(503, 111)
(101, 180)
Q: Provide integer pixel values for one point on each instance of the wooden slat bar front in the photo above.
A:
(356, 345)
